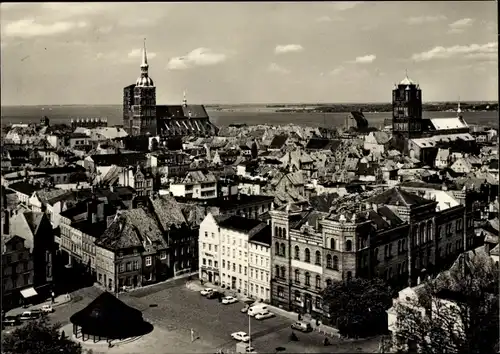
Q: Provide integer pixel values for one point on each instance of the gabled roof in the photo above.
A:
(169, 212)
(263, 236)
(122, 160)
(278, 141)
(398, 197)
(25, 188)
(239, 223)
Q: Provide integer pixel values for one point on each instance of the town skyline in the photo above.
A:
(85, 53)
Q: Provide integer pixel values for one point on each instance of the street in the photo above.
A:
(174, 310)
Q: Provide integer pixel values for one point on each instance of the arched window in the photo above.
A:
(283, 250)
(329, 261)
(276, 231)
(279, 231)
(348, 245)
(283, 272)
(297, 295)
(284, 233)
(308, 279)
(328, 282)
(318, 282)
(349, 276)
(318, 258)
(297, 276)
(335, 263)
(277, 271)
(429, 230)
(276, 248)
(307, 255)
(297, 253)
(332, 243)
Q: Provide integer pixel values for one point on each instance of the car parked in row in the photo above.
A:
(30, 315)
(302, 326)
(263, 315)
(11, 321)
(214, 295)
(47, 309)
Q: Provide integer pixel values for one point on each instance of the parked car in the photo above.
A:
(240, 336)
(302, 326)
(263, 315)
(213, 295)
(47, 309)
(30, 315)
(229, 300)
(255, 309)
(206, 291)
(245, 309)
(11, 321)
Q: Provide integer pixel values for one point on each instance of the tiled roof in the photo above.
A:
(24, 188)
(396, 196)
(169, 212)
(34, 220)
(242, 224)
(263, 236)
(122, 160)
(199, 176)
(278, 141)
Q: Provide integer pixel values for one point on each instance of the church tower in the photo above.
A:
(407, 109)
(144, 107)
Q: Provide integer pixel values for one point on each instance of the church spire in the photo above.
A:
(459, 110)
(184, 100)
(144, 64)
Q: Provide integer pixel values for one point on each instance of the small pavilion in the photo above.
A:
(108, 318)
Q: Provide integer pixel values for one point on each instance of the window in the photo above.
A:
(318, 258)
(318, 282)
(335, 263)
(276, 271)
(349, 276)
(251, 287)
(297, 276)
(308, 279)
(223, 250)
(284, 233)
(283, 250)
(281, 292)
(215, 248)
(276, 231)
(206, 234)
(297, 253)
(228, 265)
(329, 261)
(245, 271)
(234, 267)
(223, 263)
(213, 235)
(216, 264)
(129, 266)
(276, 249)
(121, 268)
(332, 243)
(209, 262)
(328, 282)
(348, 245)
(204, 261)
(239, 268)
(297, 296)
(318, 302)
(307, 255)
(283, 271)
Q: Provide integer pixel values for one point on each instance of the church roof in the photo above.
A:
(108, 316)
(397, 196)
(407, 81)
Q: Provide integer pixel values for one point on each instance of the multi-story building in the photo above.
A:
(259, 276)
(196, 185)
(17, 272)
(224, 250)
(35, 228)
(396, 235)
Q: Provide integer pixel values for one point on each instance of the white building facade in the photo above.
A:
(260, 265)
(209, 250)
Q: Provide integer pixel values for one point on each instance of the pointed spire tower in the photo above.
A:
(144, 80)
(184, 100)
(459, 110)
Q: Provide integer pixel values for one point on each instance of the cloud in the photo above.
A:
(366, 59)
(460, 25)
(323, 19)
(472, 51)
(342, 6)
(76, 8)
(288, 48)
(337, 71)
(29, 28)
(197, 57)
(425, 19)
(137, 53)
(275, 68)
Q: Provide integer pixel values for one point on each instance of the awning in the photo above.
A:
(26, 293)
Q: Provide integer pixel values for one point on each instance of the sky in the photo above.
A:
(262, 52)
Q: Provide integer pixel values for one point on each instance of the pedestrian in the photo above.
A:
(201, 281)
(63, 335)
(52, 296)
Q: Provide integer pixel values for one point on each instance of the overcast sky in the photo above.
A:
(85, 53)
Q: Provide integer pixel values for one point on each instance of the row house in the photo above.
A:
(80, 226)
(396, 235)
(234, 252)
(17, 271)
(36, 230)
(146, 245)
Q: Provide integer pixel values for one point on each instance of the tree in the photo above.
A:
(455, 313)
(358, 307)
(39, 337)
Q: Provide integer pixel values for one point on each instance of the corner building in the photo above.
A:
(395, 235)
